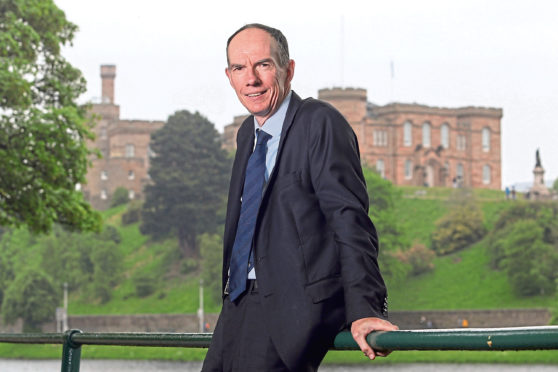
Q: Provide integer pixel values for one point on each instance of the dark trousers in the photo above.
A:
(240, 341)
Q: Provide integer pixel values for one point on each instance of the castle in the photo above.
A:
(124, 146)
(408, 144)
(412, 144)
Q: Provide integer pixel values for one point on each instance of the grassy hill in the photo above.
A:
(462, 280)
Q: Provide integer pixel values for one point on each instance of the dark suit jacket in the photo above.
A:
(315, 246)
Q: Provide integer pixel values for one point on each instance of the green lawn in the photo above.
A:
(462, 280)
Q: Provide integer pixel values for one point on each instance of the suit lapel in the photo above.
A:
(289, 119)
(245, 144)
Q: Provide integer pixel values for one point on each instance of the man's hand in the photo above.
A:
(362, 327)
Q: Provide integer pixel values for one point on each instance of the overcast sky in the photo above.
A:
(170, 55)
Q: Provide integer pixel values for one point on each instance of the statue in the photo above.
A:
(538, 158)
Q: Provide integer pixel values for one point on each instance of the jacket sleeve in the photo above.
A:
(339, 185)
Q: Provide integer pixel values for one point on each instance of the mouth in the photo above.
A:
(254, 95)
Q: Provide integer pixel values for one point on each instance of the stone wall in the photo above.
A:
(404, 319)
(474, 318)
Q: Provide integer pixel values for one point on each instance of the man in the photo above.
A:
(300, 257)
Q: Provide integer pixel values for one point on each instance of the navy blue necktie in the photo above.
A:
(251, 199)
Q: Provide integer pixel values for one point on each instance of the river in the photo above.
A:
(10, 365)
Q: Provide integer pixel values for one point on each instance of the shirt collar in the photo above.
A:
(274, 124)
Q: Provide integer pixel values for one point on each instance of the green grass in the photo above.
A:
(417, 217)
(462, 280)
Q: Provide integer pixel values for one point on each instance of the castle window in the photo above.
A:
(408, 169)
(486, 174)
(426, 134)
(103, 194)
(445, 135)
(407, 134)
(461, 142)
(380, 168)
(380, 138)
(130, 150)
(131, 194)
(460, 173)
(104, 175)
(131, 175)
(485, 139)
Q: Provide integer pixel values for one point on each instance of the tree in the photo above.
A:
(555, 185)
(392, 239)
(524, 243)
(43, 131)
(190, 174)
(32, 297)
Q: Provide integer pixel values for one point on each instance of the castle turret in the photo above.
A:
(108, 73)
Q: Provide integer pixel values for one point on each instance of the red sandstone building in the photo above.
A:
(124, 146)
(412, 144)
(409, 144)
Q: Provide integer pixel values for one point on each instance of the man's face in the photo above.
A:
(254, 72)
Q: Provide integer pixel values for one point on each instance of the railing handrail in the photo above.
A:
(512, 338)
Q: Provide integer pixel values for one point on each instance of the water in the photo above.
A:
(8, 365)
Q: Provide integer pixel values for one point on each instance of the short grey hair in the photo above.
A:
(282, 45)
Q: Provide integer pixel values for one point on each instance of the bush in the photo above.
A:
(119, 197)
(524, 243)
(144, 284)
(32, 297)
(419, 257)
(188, 265)
(132, 214)
(110, 233)
(461, 227)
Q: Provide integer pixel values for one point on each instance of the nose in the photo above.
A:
(252, 78)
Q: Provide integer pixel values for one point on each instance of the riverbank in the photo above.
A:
(547, 357)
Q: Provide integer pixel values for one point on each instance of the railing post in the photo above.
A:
(71, 352)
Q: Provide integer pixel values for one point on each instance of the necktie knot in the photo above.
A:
(262, 137)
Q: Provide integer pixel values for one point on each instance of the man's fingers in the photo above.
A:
(362, 327)
(366, 349)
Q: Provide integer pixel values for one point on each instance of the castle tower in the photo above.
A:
(108, 73)
(351, 102)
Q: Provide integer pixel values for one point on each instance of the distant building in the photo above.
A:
(124, 145)
(412, 144)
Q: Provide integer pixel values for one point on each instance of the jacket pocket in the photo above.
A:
(324, 289)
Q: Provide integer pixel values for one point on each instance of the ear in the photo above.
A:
(228, 73)
(290, 70)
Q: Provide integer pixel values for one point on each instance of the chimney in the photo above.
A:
(108, 73)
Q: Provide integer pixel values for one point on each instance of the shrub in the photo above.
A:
(132, 214)
(119, 197)
(461, 227)
(188, 265)
(524, 243)
(144, 284)
(419, 257)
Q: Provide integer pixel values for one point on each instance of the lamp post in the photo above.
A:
(200, 309)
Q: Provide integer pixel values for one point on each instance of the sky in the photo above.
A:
(170, 55)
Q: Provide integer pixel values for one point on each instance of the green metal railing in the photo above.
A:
(521, 338)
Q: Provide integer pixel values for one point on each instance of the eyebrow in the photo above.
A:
(265, 60)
